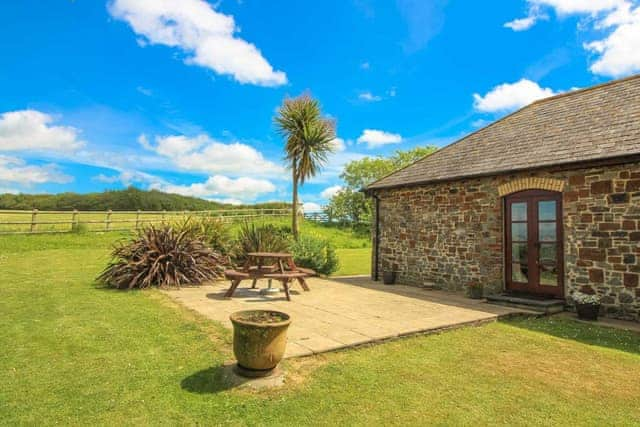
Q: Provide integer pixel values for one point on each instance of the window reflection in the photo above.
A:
(519, 211)
(547, 210)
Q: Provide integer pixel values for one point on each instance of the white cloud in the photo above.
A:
(338, 145)
(335, 166)
(228, 201)
(15, 170)
(143, 90)
(620, 50)
(8, 190)
(311, 207)
(206, 36)
(203, 154)
(510, 96)
(369, 97)
(480, 123)
(329, 192)
(243, 188)
(522, 24)
(617, 50)
(33, 130)
(129, 177)
(376, 138)
(567, 7)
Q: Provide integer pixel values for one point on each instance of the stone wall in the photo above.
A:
(451, 234)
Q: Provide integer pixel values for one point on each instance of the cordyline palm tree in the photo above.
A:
(309, 141)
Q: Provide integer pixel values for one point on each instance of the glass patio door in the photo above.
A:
(534, 243)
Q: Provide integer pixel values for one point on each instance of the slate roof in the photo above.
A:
(584, 125)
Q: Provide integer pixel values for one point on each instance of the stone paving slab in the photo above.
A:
(345, 312)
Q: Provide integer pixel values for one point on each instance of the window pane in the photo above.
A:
(548, 276)
(547, 231)
(519, 253)
(547, 210)
(519, 231)
(519, 211)
(548, 254)
(519, 273)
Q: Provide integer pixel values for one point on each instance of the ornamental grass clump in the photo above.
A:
(163, 257)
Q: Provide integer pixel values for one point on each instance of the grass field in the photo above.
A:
(74, 353)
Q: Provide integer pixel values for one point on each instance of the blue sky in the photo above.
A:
(180, 95)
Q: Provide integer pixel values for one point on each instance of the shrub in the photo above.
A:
(161, 256)
(261, 238)
(315, 253)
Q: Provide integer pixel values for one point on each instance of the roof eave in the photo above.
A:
(600, 161)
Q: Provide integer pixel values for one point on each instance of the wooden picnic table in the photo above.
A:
(269, 265)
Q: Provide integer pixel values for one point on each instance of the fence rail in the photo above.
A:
(36, 222)
(317, 216)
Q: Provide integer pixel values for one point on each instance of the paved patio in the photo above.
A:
(344, 312)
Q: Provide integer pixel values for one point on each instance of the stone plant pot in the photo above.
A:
(389, 277)
(588, 311)
(475, 292)
(259, 340)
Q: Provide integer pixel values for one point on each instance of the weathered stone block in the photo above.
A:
(596, 275)
(633, 185)
(602, 187)
(592, 254)
(630, 280)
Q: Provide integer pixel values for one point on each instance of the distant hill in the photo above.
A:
(117, 200)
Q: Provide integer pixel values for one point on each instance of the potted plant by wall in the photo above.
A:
(389, 277)
(587, 306)
(259, 340)
(475, 290)
(389, 273)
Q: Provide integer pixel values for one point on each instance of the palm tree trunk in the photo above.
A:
(294, 217)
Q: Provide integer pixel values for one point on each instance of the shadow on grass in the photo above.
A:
(212, 380)
(585, 333)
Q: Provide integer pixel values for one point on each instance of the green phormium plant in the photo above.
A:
(261, 238)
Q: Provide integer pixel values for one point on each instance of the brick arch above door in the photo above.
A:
(531, 183)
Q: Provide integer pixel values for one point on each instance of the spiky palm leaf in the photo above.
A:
(308, 135)
(161, 257)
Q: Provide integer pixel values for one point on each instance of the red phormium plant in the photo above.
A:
(162, 256)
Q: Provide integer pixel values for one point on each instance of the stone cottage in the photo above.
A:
(543, 202)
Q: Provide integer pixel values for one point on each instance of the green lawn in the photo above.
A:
(354, 261)
(73, 353)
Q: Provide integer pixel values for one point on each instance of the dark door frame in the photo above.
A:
(532, 197)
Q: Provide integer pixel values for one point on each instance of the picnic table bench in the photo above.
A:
(284, 270)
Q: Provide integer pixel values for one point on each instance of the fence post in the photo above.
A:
(34, 215)
(108, 221)
(74, 219)
(138, 220)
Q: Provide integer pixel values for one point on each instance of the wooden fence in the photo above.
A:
(35, 221)
(317, 216)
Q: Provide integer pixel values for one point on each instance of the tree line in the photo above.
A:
(129, 199)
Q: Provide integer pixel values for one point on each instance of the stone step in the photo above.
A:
(546, 306)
